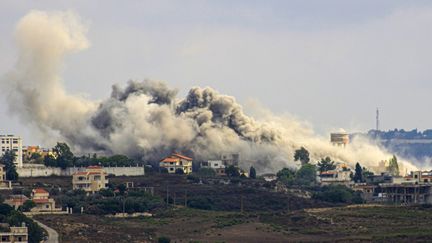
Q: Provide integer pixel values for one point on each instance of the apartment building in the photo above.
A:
(91, 180)
(12, 143)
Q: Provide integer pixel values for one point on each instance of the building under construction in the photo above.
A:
(404, 193)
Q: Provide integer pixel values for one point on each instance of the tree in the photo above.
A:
(232, 171)
(65, 157)
(306, 175)
(207, 172)
(326, 164)
(302, 155)
(163, 170)
(8, 159)
(28, 205)
(366, 173)
(286, 175)
(358, 176)
(252, 172)
(393, 167)
(50, 161)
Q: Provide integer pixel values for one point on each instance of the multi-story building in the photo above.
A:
(216, 165)
(12, 143)
(43, 201)
(177, 161)
(4, 184)
(231, 159)
(91, 180)
(340, 175)
(15, 235)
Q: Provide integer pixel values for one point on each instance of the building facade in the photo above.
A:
(43, 201)
(16, 201)
(216, 165)
(12, 143)
(15, 235)
(91, 180)
(231, 159)
(340, 175)
(176, 161)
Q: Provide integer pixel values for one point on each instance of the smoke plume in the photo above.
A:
(147, 120)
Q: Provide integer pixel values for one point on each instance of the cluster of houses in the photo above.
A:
(176, 162)
(414, 188)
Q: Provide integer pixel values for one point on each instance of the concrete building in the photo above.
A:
(404, 193)
(176, 161)
(4, 184)
(15, 235)
(91, 180)
(12, 143)
(340, 175)
(16, 201)
(339, 139)
(43, 201)
(231, 159)
(216, 165)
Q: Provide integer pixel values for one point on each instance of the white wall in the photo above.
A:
(42, 171)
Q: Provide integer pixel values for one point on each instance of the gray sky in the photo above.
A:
(328, 62)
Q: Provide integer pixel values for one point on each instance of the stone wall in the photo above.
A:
(43, 171)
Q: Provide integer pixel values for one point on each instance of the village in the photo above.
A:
(54, 191)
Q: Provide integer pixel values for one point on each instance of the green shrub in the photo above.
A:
(164, 239)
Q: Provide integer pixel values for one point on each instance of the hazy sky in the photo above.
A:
(328, 62)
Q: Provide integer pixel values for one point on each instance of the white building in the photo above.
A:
(216, 165)
(340, 175)
(12, 143)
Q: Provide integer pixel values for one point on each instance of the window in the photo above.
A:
(47, 206)
(171, 168)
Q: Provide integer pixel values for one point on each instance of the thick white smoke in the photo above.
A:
(145, 119)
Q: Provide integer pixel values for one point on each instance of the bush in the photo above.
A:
(193, 178)
(28, 205)
(201, 203)
(164, 239)
(207, 172)
(338, 194)
(163, 170)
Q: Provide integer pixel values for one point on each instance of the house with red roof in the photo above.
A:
(176, 162)
(43, 201)
(91, 180)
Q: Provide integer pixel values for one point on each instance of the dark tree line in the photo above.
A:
(63, 157)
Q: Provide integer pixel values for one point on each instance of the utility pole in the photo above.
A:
(167, 201)
(241, 203)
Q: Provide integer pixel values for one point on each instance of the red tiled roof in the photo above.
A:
(39, 190)
(81, 173)
(169, 159)
(96, 173)
(182, 156)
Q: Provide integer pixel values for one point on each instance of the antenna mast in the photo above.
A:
(377, 119)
